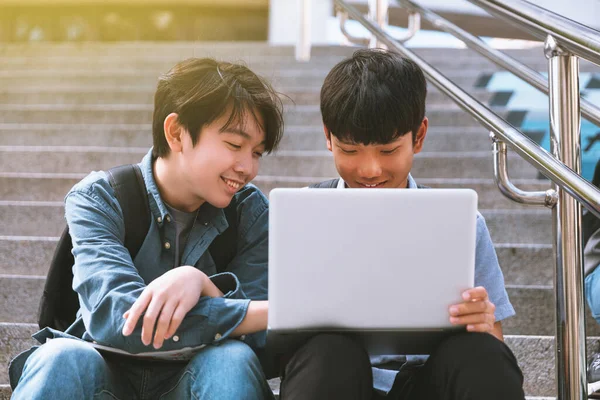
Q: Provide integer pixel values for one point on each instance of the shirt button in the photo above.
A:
(168, 218)
(176, 338)
(206, 223)
(167, 245)
(218, 336)
(243, 337)
(159, 220)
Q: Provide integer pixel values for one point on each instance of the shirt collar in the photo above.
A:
(411, 184)
(208, 213)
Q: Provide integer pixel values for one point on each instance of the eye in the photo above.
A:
(392, 151)
(235, 146)
(347, 151)
(258, 154)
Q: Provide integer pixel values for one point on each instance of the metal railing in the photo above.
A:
(565, 40)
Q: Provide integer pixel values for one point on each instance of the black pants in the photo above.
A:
(469, 366)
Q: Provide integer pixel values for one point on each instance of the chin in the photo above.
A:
(221, 202)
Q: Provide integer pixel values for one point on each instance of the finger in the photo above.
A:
(163, 323)
(176, 320)
(474, 307)
(150, 317)
(126, 315)
(480, 327)
(477, 293)
(134, 313)
(473, 319)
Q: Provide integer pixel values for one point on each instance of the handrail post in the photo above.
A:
(378, 12)
(565, 119)
(303, 43)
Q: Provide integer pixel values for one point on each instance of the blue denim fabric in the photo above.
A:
(73, 369)
(108, 281)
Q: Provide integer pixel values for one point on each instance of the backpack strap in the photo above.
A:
(59, 302)
(224, 248)
(130, 190)
(330, 184)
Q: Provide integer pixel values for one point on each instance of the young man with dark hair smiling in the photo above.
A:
(212, 123)
(373, 108)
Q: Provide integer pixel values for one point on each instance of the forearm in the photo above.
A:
(255, 319)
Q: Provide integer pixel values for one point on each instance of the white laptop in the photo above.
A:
(381, 264)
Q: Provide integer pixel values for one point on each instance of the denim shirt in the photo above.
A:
(487, 274)
(108, 281)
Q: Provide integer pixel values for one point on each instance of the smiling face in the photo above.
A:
(376, 165)
(224, 159)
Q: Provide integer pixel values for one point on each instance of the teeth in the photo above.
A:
(232, 184)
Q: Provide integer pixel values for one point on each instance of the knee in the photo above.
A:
(230, 358)
(475, 350)
(230, 370)
(333, 352)
(66, 354)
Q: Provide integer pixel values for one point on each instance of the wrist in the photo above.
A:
(209, 288)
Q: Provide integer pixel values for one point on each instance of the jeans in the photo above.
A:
(72, 369)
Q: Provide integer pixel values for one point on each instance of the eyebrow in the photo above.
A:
(242, 133)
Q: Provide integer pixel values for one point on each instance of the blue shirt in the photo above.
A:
(108, 281)
(487, 274)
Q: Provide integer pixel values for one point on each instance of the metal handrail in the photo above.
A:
(414, 25)
(548, 198)
(534, 78)
(572, 36)
(586, 193)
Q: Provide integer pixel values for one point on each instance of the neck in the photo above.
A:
(172, 187)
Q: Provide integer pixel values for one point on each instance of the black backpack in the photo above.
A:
(59, 303)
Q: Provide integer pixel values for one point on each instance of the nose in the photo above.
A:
(369, 168)
(244, 163)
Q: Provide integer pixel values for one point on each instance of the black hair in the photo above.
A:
(373, 97)
(201, 90)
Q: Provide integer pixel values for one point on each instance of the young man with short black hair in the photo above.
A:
(212, 123)
(373, 107)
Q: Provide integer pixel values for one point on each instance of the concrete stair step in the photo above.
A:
(279, 80)
(53, 187)
(295, 137)
(166, 50)
(522, 264)
(527, 226)
(533, 304)
(303, 115)
(98, 55)
(535, 355)
(72, 159)
(100, 95)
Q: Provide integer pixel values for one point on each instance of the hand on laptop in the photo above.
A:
(165, 302)
(476, 312)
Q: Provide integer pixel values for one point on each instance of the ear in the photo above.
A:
(173, 132)
(420, 138)
(327, 137)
